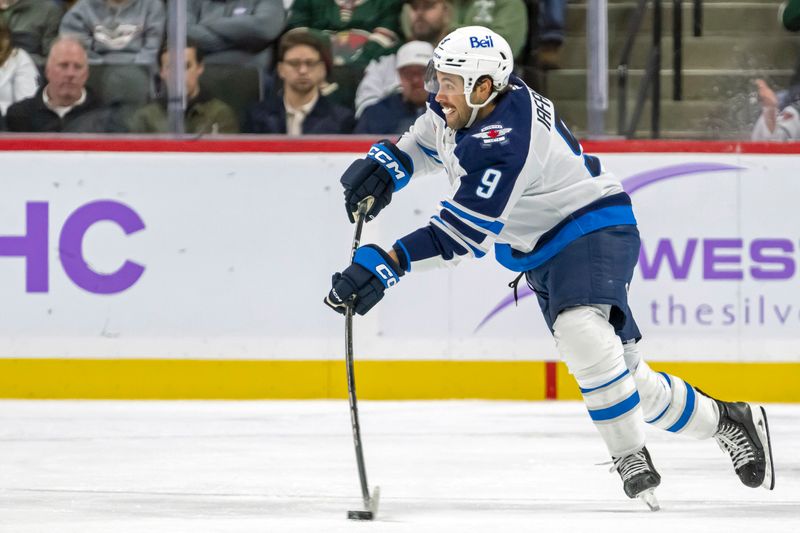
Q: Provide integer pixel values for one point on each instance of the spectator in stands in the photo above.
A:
(552, 14)
(19, 77)
(300, 108)
(790, 15)
(203, 114)
(33, 24)
(117, 31)
(236, 31)
(360, 30)
(429, 21)
(776, 124)
(64, 104)
(509, 18)
(779, 109)
(396, 112)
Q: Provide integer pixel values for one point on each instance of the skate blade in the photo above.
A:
(649, 499)
(760, 419)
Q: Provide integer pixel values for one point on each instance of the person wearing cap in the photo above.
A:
(429, 21)
(396, 112)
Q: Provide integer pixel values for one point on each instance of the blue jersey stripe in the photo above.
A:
(494, 226)
(433, 154)
(616, 410)
(462, 228)
(428, 242)
(617, 215)
(478, 253)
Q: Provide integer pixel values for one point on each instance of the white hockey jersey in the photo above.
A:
(519, 181)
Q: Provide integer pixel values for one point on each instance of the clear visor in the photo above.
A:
(431, 81)
(453, 84)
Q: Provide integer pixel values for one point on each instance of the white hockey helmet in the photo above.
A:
(472, 52)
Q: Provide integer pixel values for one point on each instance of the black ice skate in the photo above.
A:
(743, 434)
(639, 477)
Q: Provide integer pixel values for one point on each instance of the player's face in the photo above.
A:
(451, 97)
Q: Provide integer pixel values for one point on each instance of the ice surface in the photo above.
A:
(124, 467)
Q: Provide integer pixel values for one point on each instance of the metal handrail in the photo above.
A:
(634, 26)
(652, 79)
(698, 18)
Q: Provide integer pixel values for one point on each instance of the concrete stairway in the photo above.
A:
(741, 41)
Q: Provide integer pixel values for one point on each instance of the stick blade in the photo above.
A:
(372, 508)
(360, 515)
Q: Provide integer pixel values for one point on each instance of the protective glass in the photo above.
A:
(431, 82)
(451, 86)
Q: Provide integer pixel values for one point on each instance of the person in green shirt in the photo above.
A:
(790, 15)
(203, 115)
(359, 30)
(34, 24)
(509, 18)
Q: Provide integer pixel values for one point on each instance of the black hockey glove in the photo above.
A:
(384, 170)
(370, 274)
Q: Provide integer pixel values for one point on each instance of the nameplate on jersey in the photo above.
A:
(494, 133)
(477, 42)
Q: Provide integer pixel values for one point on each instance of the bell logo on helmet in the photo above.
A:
(476, 42)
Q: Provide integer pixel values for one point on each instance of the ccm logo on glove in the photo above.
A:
(364, 281)
(373, 260)
(399, 174)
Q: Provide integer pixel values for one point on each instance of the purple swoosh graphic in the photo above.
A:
(638, 181)
(631, 184)
(523, 291)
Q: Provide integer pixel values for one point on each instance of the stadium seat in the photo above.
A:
(129, 84)
(236, 85)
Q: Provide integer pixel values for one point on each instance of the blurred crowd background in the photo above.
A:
(300, 67)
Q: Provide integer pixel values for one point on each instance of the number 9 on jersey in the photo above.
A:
(489, 183)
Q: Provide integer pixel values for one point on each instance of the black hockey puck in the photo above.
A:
(360, 515)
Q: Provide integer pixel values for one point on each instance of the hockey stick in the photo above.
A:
(370, 502)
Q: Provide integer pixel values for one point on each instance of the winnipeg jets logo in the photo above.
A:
(494, 133)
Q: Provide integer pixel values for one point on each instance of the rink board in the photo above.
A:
(181, 379)
(195, 269)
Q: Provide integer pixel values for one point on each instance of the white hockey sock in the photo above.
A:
(614, 406)
(670, 403)
(594, 355)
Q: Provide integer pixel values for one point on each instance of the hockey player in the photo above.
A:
(521, 182)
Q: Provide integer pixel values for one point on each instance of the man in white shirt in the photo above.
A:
(429, 21)
(300, 108)
(775, 124)
(64, 104)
